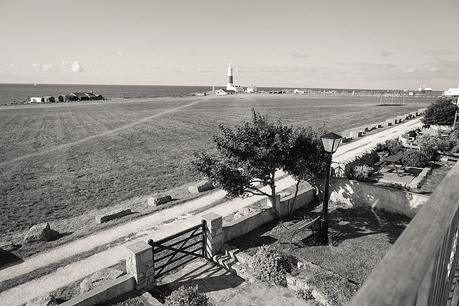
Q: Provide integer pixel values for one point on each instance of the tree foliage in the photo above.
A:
(249, 154)
(440, 112)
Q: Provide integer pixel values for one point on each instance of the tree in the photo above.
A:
(249, 155)
(440, 112)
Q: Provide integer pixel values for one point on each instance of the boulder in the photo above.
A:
(45, 300)
(201, 187)
(99, 278)
(41, 232)
(159, 200)
(112, 215)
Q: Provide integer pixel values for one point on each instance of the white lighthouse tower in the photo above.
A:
(230, 84)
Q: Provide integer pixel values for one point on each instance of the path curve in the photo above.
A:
(103, 134)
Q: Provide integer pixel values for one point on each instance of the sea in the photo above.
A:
(18, 93)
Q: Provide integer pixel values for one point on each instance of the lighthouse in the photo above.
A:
(230, 84)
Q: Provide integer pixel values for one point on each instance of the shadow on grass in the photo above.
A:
(355, 222)
(8, 258)
(345, 224)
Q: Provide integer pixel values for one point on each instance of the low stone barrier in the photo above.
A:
(390, 121)
(159, 200)
(113, 215)
(417, 181)
(104, 293)
(354, 193)
(205, 186)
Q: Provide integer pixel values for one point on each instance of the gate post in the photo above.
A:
(139, 262)
(214, 234)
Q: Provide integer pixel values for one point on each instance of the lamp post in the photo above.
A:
(331, 142)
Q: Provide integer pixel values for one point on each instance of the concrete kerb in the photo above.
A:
(104, 293)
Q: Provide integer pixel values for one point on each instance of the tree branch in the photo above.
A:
(256, 191)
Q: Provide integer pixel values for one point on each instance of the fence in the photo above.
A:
(189, 243)
(420, 267)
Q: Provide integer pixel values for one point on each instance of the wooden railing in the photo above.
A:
(420, 267)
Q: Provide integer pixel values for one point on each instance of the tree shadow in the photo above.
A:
(355, 222)
(8, 258)
(208, 277)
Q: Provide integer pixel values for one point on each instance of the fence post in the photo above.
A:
(139, 262)
(213, 234)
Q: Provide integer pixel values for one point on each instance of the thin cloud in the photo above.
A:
(407, 69)
(76, 67)
(120, 53)
(385, 53)
(44, 67)
(300, 54)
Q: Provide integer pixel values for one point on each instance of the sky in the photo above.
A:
(390, 44)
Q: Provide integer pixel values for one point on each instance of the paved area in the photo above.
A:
(153, 226)
(224, 288)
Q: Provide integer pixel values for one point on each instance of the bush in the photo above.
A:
(415, 158)
(272, 266)
(368, 159)
(429, 145)
(305, 294)
(440, 112)
(393, 146)
(187, 296)
(361, 172)
(381, 147)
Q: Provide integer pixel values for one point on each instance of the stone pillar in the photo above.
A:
(214, 234)
(139, 262)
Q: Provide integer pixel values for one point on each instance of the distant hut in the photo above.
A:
(71, 97)
(49, 99)
(60, 98)
(36, 100)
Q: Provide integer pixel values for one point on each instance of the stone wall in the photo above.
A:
(251, 221)
(354, 193)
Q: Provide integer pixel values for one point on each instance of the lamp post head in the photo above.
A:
(331, 142)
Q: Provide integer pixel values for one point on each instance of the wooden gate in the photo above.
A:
(189, 243)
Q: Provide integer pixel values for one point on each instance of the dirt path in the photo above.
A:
(106, 133)
(153, 227)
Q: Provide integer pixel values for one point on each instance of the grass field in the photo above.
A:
(57, 161)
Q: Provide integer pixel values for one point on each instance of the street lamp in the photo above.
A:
(331, 142)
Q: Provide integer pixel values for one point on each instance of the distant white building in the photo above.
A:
(251, 89)
(299, 92)
(37, 100)
(452, 92)
(221, 92)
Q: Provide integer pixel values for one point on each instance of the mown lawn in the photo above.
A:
(50, 169)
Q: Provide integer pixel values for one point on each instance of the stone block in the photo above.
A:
(45, 300)
(112, 215)
(41, 232)
(99, 278)
(159, 200)
(205, 186)
(139, 263)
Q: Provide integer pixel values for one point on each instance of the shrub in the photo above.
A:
(272, 266)
(381, 147)
(187, 296)
(415, 158)
(454, 137)
(368, 159)
(361, 172)
(393, 146)
(305, 294)
(429, 145)
(440, 112)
